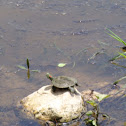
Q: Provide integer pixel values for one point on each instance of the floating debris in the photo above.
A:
(61, 64)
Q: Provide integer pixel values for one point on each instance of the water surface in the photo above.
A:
(51, 32)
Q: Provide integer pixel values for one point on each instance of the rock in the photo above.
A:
(59, 106)
(89, 95)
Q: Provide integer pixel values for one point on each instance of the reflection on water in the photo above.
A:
(51, 32)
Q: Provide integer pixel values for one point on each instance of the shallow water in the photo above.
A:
(51, 32)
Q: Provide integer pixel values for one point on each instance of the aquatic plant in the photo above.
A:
(119, 56)
(28, 68)
(113, 35)
(94, 114)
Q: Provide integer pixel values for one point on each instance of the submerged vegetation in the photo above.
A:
(119, 56)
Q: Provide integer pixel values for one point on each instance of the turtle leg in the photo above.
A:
(72, 90)
(53, 88)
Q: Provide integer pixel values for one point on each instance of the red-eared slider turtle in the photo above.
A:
(63, 82)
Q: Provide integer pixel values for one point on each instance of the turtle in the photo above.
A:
(63, 82)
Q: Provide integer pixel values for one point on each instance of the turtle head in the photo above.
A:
(49, 76)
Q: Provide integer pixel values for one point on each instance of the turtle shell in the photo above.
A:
(64, 82)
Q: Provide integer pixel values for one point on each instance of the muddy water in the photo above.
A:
(51, 32)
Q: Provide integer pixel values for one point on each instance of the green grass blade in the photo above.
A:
(115, 57)
(28, 64)
(21, 67)
(122, 54)
(118, 64)
(113, 35)
(117, 81)
(117, 38)
(28, 73)
(38, 71)
(118, 56)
